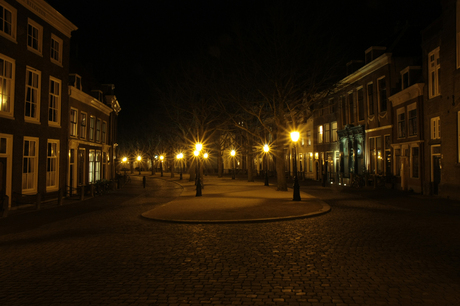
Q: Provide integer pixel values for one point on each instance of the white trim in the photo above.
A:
(39, 28)
(369, 68)
(10, 113)
(14, 15)
(35, 119)
(379, 128)
(434, 67)
(56, 123)
(60, 51)
(34, 188)
(56, 157)
(89, 100)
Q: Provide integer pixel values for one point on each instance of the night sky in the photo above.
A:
(132, 44)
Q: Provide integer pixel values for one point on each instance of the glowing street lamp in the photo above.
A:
(266, 150)
(205, 155)
(139, 158)
(296, 196)
(161, 164)
(233, 153)
(124, 160)
(179, 157)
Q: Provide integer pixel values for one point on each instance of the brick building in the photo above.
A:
(34, 66)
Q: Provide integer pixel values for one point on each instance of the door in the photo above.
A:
(436, 172)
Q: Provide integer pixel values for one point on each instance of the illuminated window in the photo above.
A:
(56, 49)
(30, 165)
(34, 36)
(334, 131)
(91, 166)
(83, 125)
(320, 134)
(52, 165)
(73, 122)
(54, 111)
(7, 20)
(434, 72)
(97, 169)
(6, 85)
(436, 128)
(32, 107)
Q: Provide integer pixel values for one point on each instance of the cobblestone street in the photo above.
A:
(371, 249)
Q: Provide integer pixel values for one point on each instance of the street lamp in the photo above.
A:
(161, 164)
(139, 158)
(233, 153)
(205, 155)
(124, 160)
(266, 149)
(296, 196)
(179, 157)
(198, 148)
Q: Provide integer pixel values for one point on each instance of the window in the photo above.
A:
(98, 130)
(92, 122)
(412, 114)
(308, 138)
(360, 104)
(91, 161)
(83, 125)
(6, 85)
(7, 20)
(54, 111)
(434, 72)
(30, 165)
(401, 117)
(415, 162)
(382, 88)
(327, 132)
(97, 169)
(320, 134)
(344, 111)
(52, 165)
(351, 107)
(32, 94)
(436, 128)
(370, 98)
(104, 133)
(56, 49)
(34, 36)
(334, 130)
(73, 122)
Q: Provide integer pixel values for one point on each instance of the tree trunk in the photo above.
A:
(280, 165)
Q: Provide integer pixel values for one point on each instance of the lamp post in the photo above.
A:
(233, 153)
(179, 157)
(139, 158)
(198, 148)
(161, 164)
(205, 155)
(266, 149)
(296, 196)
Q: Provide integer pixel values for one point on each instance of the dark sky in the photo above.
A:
(129, 42)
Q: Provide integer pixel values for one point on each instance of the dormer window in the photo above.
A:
(409, 76)
(373, 52)
(75, 81)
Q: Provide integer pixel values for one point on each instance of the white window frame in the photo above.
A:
(7, 92)
(92, 127)
(73, 120)
(334, 131)
(83, 127)
(91, 164)
(320, 133)
(30, 178)
(410, 108)
(56, 52)
(56, 98)
(98, 166)
(39, 37)
(401, 132)
(435, 128)
(434, 66)
(11, 36)
(52, 165)
(36, 90)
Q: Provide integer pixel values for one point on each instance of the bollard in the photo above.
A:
(143, 181)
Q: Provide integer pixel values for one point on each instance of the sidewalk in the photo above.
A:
(227, 200)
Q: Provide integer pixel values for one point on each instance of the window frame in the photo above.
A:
(434, 68)
(34, 175)
(334, 136)
(39, 38)
(401, 122)
(58, 100)
(91, 166)
(35, 118)
(98, 129)
(327, 132)
(351, 107)
(73, 128)
(10, 86)
(92, 127)
(59, 52)
(55, 159)
(412, 122)
(6, 6)
(360, 103)
(320, 133)
(104, 133)
(435, 128)
(83, 127)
